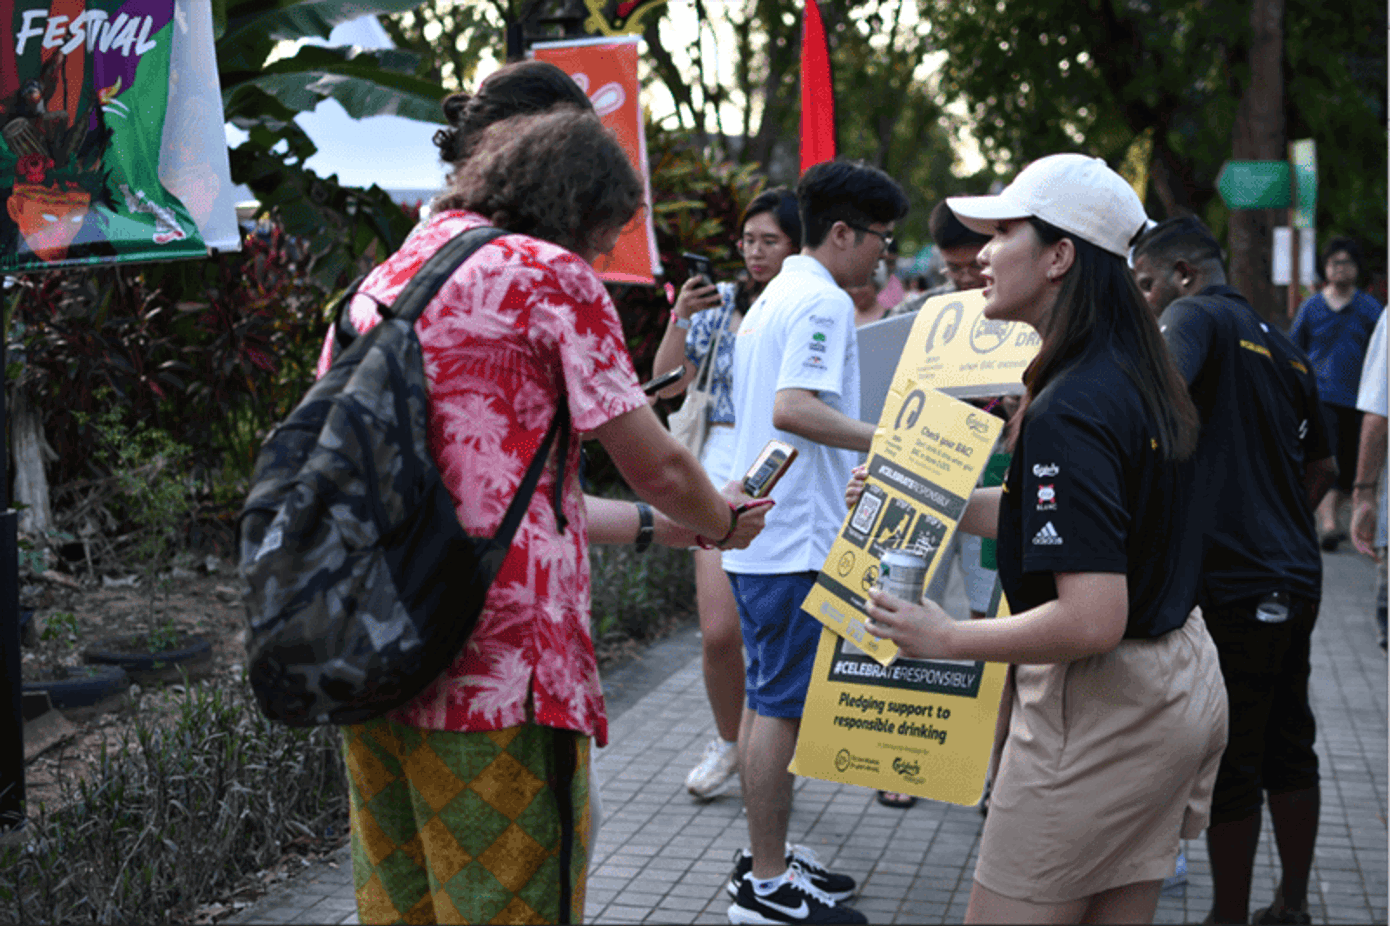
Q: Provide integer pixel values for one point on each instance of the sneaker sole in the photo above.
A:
(740, 916)
(714, 792)
(731, 888)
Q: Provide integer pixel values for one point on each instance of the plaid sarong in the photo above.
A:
(454, 827)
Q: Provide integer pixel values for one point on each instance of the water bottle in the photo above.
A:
(1273, 608)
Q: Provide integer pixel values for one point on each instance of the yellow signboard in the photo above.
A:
(919, 726)
(925, 459)
(954, 348)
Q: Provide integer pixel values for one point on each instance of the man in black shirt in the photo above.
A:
(1263, 463)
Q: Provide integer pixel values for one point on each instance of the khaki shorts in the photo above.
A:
(1109, 760)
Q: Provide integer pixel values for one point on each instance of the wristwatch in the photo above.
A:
(679, 321)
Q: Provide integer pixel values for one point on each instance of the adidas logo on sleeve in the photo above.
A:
(1047, 537)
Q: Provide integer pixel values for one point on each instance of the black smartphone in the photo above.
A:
(699, 265)
(656, 384)
(771, 463)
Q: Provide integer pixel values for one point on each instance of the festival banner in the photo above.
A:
(920, 726)
(84, 86)
(607, 70)
(924, 461)
(954, 348)
(618, 17)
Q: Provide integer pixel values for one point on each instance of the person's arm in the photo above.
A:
(803, 413)
(665, 474)
(981, 516)
(696, 295)
(1087, 618)
(1370, 463)
(615, 521)
(1318, 477)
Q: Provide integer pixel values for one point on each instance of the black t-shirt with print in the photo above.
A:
(1088, 491)
(1261, 426)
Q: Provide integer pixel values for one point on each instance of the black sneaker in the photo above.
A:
(795, 900)
(839, 887)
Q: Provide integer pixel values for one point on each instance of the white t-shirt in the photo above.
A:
(799, 334)
(1371, 396)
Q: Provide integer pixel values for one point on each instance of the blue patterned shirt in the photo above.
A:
(703, 327)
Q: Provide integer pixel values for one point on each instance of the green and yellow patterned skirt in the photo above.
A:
(468, 827)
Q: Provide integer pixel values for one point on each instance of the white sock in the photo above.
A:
(764, 887)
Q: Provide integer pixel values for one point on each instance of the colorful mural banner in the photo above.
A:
(607, 70)
(84, 85)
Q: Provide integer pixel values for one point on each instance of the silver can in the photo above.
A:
(903, 574)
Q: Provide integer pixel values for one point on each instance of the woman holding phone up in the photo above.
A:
(1118, 714)
(770, 232)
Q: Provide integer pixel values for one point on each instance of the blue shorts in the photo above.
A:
(780, 638)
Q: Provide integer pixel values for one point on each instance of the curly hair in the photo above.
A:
(558, 175)
(513, 90)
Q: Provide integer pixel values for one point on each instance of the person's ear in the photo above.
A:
(1185, 273)
(1063, 256)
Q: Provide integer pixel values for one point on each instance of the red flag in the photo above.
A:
(817, 91)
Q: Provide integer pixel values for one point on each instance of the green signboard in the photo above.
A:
(1254, 184)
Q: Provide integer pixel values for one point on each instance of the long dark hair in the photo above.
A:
(780, 203)
(1099, 308)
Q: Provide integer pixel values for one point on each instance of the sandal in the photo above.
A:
(894, 799)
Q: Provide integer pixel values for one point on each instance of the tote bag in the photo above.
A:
(689, 424)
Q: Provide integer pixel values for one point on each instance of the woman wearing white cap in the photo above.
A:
(1117, 719)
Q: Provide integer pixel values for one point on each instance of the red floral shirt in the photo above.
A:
(523, 324)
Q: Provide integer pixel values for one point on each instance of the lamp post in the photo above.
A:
(543, 20)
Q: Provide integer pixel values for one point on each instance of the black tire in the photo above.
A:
(84, 690)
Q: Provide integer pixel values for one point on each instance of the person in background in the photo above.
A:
(1368, 514)
(796, 379)
(1117, 719)
(769, 232)
(1263, 462)
(959, 248)
(520, 328)
(867, 308)
(1332, 327)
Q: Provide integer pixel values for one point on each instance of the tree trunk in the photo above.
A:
(1259, 135)
(30, 481)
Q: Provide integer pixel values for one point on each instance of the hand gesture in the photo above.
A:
(751, 519)
(855, 487)
(921, 631)
(697, 295)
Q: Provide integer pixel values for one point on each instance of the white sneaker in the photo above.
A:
(1179, 876)
(711, 776)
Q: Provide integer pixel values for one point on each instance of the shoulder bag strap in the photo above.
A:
(706, 371)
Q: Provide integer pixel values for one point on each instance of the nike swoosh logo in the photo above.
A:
(794, 912)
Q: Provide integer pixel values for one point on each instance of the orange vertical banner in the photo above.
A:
(607, 71)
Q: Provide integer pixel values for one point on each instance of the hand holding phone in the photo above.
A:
(669, 378)
(699, 265)
(768, 468)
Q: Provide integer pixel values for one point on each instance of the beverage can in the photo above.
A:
(903, 573)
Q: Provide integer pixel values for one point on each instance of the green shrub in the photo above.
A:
(635, 593)
(175, 815)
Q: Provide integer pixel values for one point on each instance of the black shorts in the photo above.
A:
(1344, 436)
(1269, 744)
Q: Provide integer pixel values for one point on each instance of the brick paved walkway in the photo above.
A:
(662, 858)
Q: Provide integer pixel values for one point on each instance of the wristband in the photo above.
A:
(645, 530)
(704, 543)
(679, 321)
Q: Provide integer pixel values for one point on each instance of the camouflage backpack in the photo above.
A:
(360, 584)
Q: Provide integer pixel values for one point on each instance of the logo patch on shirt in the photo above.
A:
(1047, 537)
(818, 348)
(822, 321)
(817, 337)
(1047, 497)
(813, 363)
(1043, 470)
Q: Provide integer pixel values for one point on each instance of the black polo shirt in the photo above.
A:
(1087, 491)
(1261, 426)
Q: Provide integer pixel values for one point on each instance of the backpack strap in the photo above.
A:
(408, 307)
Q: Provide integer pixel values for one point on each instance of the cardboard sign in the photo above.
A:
(607, 71)
(924, 461)
(954, 348)
(919, 726)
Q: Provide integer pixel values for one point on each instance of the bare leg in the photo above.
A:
(722, 641)
(1295, 816)
(1231, 847)
(989, 907)
(1129, 903)
(767, 790)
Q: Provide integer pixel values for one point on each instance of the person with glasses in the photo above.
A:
(1333, 328)
(796, 379)
(770, 231)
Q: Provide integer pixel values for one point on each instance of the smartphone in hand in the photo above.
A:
(699, 265)
(656, 384)
(771, 464)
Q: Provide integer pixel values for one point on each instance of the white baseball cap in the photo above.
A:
(1078, 194)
